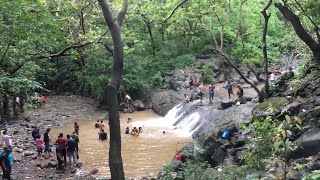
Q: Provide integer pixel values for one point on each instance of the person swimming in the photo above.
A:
(97, 125)
(127, 130)
(135, 132)
(163, 132)
(101, 124)
(140, 130)
(103, 135)
(129, 120)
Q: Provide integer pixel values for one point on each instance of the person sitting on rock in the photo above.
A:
(127, 130)
(97, 124)
(103, 135)
(185, 99)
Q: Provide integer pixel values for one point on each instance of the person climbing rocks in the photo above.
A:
(185, 99)
(97, 124)
(62, 142)
(103, 135)
(127, 130)
(211, 92)
(76, 128)
(43, 100)
(240, 92)
(71, 151)
(190, 82)
(46, 140)
(129, 101)
(35, 132)
(39, 145)
(6, 161)
(129, 120)
(229, 89)
(6, 139)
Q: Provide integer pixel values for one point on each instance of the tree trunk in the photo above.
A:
(115, 159)
(14, 107)
(5, 106)
(264, 46)
(300, 31)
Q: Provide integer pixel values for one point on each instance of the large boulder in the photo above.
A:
(138, 105)
(271, 107)
(165, 99)
(308, 144)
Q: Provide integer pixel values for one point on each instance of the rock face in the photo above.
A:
(271, 107)
(164, 100)
(308, 144)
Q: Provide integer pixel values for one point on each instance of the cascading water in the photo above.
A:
(179, 119)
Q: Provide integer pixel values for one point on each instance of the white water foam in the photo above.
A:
(184, 128)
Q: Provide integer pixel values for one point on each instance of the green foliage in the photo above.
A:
(207, 73)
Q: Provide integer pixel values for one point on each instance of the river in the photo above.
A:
(141, 155)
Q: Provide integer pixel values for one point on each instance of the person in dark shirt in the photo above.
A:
(240, 92)
(76, 139)
(46, 141)
(103, 135)
(229, 88)
(6, 163)
(71, 150)
(97, 125)
(76, 128)
(35, 132)
(62, 142)
(59, 158)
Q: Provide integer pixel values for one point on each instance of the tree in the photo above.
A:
(264, 46)
(300, 30)
(115, 159)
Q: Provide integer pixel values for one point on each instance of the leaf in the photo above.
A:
(288, 119)
(298, 119)
(284, 134)
(299, 127)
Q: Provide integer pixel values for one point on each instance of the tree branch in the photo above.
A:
(62, 52)
(122, 12)
(5, 51)
(300, 30)
(174, 10)
(304, 12)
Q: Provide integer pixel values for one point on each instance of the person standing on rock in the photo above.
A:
(71, 150)
(191, 95)
(190, 82)
(229, 89)
(62, 142)
(43, 100)
(39, 145)
(128, 100)
(46, 140)
(6, 163)
(76, 139)
(6, 139)
(59, 157)
(35, 132)
(211, 92)
(76, 128)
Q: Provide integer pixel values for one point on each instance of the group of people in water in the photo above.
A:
(198, 90)
(135, 131)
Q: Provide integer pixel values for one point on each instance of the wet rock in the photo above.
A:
(138, 105)
(308, 144)
(263, 109)
(226, 103)
(79, 164)
(94, 171)
(218, 156)
(52, 163)
(28, 153)
(34, 156)
(16, 149)
(147, 102)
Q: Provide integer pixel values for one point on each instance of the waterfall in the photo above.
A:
(183, 122)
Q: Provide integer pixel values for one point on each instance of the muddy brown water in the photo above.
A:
(141, 155)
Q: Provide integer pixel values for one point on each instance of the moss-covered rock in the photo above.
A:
(270, 107)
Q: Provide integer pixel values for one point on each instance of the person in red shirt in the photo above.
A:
(62, 143)
(43, 100)
(179, 156)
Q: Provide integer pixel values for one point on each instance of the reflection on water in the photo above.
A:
(141, 155)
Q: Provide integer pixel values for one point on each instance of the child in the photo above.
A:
(40, 145)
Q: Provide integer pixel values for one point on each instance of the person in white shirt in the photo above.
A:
(6, 139)
(128, 100)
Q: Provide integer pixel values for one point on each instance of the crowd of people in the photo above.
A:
(135, 131)
(197, 91)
